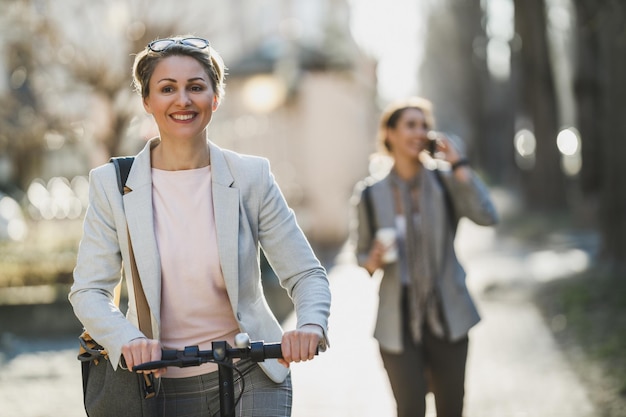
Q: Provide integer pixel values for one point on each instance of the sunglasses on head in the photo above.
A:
(161, 45)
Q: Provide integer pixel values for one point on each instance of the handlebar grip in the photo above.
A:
(259, 351)
(147, 366)
(169, 354)
(273, 351)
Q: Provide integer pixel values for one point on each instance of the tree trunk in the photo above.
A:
(600, 87)
(452, 76)
(543, 185)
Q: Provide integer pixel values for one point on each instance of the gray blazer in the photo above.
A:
(250, 212)
(470, 200)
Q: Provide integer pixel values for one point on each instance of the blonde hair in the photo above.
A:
(147, 60)
(391, 114)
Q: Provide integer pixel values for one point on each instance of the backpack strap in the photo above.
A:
(122, 168)
(369, 208)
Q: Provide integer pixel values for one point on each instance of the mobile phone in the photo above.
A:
(431, 146)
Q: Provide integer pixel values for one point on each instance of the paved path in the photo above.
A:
(515, 368)
(40, 379)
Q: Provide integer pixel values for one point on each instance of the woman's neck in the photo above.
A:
(407, 169)
(170, 156)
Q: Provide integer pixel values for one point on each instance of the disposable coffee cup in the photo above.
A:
(387, 236)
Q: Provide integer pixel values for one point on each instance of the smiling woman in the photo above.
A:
(197, 215)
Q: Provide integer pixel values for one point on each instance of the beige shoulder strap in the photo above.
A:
(143, 310)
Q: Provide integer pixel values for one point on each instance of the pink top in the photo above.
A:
(195, 308)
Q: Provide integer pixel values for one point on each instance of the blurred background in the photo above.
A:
(536, 88)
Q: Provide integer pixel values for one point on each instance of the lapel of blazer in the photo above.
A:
(140, 220)
(226, 208)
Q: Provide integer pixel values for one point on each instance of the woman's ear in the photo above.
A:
(216, 102)
(146, 105)
(388, 135)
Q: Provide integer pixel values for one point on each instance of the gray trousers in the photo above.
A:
(199, 396)
(434, 365)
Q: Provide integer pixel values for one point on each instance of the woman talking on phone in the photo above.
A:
(425, 309)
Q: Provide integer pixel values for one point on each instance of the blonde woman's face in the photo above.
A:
(409, 137)
(181, 98)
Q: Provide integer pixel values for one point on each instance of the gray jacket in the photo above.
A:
(469, 200)
(250, 212)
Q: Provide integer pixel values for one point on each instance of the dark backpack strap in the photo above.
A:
(369, 208)
(122, 168)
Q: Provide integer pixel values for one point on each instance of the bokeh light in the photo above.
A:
(13, 225)
(525, 148)
(58, 199)
(568, 142)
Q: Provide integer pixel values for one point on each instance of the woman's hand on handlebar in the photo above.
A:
(142, 350)
(300, 344)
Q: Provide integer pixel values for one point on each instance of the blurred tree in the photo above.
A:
(452, 75)
(68, 69)
(600, 86)
(98, 62)
(468, 101)
(24, 121)
(536, 102)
